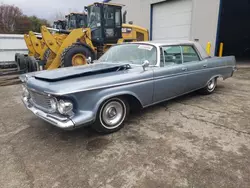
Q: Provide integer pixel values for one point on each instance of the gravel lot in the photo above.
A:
(192, 141)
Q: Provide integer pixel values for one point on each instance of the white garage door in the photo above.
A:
(172, 20)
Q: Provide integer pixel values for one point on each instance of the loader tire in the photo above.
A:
(21, 62)
(16, 56)
(76, 55)
(29, 64)
(32, 64)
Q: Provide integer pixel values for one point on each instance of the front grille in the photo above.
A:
(41, 101)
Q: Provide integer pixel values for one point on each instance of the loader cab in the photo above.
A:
(76, 20)
(59, 24)
(105, 22)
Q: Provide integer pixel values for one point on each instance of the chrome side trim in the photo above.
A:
(188, 72)
(131, 82)
(164, 100)
(37, 91)
(100, 87)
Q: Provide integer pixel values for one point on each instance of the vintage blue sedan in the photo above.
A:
(127, 77)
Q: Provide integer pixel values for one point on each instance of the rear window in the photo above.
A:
(189, 54)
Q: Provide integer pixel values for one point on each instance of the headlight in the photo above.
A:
(25, 92)
(65, 107)
(53, 104)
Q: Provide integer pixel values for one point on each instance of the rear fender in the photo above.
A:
(216, 76)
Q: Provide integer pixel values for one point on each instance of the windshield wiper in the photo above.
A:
(124, 67)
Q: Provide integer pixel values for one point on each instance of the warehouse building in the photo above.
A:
(205, 21)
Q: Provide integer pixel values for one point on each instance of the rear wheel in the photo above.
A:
(111, 115)
(76, 55)
(211, 85)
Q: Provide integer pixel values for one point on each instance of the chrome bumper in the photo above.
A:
(61, 122)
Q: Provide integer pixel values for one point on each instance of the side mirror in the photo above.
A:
(145, 64)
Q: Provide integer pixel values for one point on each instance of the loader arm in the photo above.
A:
(83, 35)
(49, 39)
(44, 49)
(29, 45)
(36, 43)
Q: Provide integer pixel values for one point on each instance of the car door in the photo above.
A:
(197, 69)
(170, 77)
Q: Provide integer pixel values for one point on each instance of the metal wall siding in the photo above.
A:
(172, 20)
(11, 44)
(204, 20)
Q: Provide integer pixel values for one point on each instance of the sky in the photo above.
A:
(48, 9)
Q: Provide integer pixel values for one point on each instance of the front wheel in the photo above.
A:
(210, 87)
(111, 115)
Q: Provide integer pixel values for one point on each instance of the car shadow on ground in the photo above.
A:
(86, 134)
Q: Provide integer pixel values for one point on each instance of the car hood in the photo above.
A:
(76, 79)
(80, 71)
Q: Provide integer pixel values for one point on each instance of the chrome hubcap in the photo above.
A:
(113, 114)
(211, 84)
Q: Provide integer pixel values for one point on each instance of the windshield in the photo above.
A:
(58, 25)
(82, 21)
(55, 25)
(71, 22)
(132, 53)
(94, 17)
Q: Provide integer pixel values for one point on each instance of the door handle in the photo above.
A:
(205, 66)
(184, 69)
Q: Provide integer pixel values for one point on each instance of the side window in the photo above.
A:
(109, 16)
(171, 55)
(117, 17)
(189, 54)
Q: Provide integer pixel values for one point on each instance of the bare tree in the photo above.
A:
(12, 20)
(9, 16)
(59, 16)
(70, 10)
(24, 25)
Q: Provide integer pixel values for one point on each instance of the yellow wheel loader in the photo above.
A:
(36, 50)
(60, 24)
(29, 45)
(41, 48)
(55, 38)
(38, 45)
(83, 45)
(35, 42)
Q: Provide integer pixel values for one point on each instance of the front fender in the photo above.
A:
(117, 94)
(89, 103)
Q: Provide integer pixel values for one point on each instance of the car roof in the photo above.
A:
(168, 42)
(159, 43)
